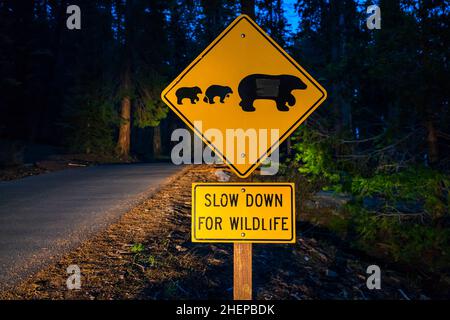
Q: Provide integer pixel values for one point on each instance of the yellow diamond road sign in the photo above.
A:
(243, 88)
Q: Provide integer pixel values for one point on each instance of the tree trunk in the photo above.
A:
(428, 103)
(23, 12)
(288, 147)
(248, 8)
(432, 141)
(123, 144)
(156, 142)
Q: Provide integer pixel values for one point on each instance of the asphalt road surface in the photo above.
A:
(43, 216)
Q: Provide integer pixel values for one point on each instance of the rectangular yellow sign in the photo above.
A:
(243, 212)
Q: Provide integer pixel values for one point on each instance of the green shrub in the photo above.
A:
(420, 237)
(89, 120)
(137, 248)
(417, 184)
(404, 241)
(314, 156)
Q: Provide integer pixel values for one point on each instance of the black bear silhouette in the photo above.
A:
(217, 91)
(270, 87)
(190, 93)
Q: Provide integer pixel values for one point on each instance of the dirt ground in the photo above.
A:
(13, 173)
(148, 255)
(56, 163)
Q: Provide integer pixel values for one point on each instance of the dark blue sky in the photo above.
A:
(291, 15)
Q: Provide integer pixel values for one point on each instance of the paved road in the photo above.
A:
(44, 215)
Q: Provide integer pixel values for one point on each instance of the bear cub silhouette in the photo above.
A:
(190, 93)
(270, 87)
(217, 91)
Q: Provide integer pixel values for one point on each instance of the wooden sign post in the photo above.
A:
(242, 273)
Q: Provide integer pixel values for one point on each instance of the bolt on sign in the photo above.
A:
(243, 95)
(243, 212)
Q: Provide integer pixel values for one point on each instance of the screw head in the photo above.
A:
(243, 190)
(242, 35)
(242, 234)
(242, 155)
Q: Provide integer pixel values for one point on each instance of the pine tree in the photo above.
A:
(89, 115)
(144, 48)
(271, 18)
(248, 8)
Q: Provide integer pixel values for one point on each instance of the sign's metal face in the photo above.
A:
(243, 212)
(243, 80)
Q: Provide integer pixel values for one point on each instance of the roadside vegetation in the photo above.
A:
(397, 212)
